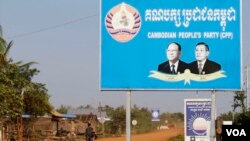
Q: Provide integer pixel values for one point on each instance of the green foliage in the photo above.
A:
(239, 101)
(177, 138)
(11, 84)
(19, 94)
(63, 109)
(2, 45)
(143, 118)
(109, 110)
(172, 118)
(117, 125)
(10, 102)
(228, 116)
(36, 100)
(2, 42)
(237, 118)
(244, 118)
(85, 107)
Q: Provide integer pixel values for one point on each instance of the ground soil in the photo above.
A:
(162, 135)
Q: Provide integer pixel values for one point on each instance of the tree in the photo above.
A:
(19, 94)
(10, 96)
(118, 121)
(239, 101)
(63, 109)
(36, 100)
(85, 107)
(117, 125)
(228, 116)
(143, 118)
(242, 117)
(2, 42)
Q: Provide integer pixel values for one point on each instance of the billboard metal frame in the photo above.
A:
(115, 88)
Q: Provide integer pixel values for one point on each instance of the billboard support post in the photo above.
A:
(213, 114)
(128, 116)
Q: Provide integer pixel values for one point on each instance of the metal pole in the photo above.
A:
(128, 116)
(100, 109)
(213, 113)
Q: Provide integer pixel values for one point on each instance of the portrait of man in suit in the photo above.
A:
(203, 65)
(173, 65)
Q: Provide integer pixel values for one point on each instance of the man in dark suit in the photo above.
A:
(202, 65)
(174, 65)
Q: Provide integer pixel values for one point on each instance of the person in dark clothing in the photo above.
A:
(173, 65)
(89, 133)
(202, 65)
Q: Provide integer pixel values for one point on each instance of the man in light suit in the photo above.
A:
(203, 65)
(173, 65)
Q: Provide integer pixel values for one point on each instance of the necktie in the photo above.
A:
(200, 67)
(173, 70)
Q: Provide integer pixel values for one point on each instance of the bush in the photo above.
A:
(177, 138)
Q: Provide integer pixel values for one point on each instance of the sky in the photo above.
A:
(63, 37)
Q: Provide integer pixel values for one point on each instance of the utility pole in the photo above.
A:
(213, 116)
(100, 109)
(246, 88)
(128, 116)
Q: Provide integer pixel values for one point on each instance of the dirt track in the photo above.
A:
(162, 135)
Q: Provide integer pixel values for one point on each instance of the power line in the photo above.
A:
(51, 27)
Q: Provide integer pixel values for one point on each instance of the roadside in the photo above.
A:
(162, 135)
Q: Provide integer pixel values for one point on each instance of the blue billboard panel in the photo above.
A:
(197, 119)
(170, 45)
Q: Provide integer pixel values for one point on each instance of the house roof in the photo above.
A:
(57, 114)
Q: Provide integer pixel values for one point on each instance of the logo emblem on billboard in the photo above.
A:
(123, 22)
(199, 124)
(155, 115)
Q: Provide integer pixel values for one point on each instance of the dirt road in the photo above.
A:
(162, 135)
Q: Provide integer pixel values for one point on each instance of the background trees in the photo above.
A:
(117, 124)
(243, 115)
(239, 101)
(18, 93)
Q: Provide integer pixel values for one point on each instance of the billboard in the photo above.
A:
(197, 118)
(170, 45)
(155, 115)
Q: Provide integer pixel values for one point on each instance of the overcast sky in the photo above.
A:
(63, 37)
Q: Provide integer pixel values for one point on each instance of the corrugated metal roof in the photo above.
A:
(87, 111)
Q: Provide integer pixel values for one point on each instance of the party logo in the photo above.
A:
(123, 22)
